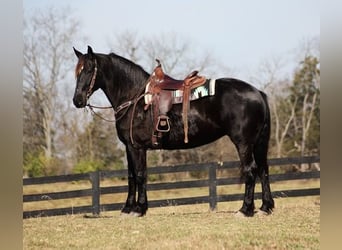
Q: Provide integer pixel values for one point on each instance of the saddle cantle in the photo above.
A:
(160, 86)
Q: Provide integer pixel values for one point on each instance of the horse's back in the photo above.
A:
(237, 109)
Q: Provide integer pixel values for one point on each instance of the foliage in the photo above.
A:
(33, 131)
(306, 90)
(295, 111)
(47, 37)
(85, 166)
(97, 148)
(37, 165)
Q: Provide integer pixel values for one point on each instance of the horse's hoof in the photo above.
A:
(269, 211)
(136, 214)
(262, 213)
(239, 214)
(123, 214)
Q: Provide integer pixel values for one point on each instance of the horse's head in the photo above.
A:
(85, 73)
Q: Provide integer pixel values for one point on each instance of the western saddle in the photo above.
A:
(160, 86)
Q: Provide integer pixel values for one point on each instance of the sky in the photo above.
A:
(241, 34)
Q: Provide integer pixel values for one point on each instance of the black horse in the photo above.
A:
(237, 110)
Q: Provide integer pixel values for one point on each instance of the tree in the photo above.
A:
(306, 89)
(282, 108)
(177, 54)
(282, 115)
(294, 102)
(128, 44)
(47, 39)
(97, 147)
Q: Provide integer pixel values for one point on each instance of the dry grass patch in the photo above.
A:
(295, 224)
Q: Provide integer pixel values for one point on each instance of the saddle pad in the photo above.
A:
(207, 89)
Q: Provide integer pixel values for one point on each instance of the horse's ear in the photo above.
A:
(90, 50)
(158, 61)
(77, 53)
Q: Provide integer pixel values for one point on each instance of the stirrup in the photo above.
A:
(163, 124)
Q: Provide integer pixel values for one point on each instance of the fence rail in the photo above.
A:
(212, 183)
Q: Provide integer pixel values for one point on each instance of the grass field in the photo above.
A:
(295, 224)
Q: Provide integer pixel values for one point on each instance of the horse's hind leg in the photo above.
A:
(260, 155)
(248, 173)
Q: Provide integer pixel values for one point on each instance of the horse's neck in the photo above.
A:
(125, 81)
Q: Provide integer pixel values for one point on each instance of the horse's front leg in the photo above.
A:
(137, 166)
(131, 198)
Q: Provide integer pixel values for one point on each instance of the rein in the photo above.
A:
(123, 106)
(91, 107)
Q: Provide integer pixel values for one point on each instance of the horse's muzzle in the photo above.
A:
(79, 101)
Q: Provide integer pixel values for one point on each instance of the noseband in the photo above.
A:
(92, 83)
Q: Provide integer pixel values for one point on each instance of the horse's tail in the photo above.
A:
(262, 143)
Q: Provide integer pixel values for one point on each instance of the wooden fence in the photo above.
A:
(212, 183)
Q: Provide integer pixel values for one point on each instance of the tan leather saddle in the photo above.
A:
(160, 86)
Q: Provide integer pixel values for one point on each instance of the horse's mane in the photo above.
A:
(129, 67)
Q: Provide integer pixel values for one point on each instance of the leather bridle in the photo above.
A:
(92, 82)
(120, 108)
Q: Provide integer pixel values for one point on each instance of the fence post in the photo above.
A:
(95, 181)
(212, 187)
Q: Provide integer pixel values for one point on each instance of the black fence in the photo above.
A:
(212, 182)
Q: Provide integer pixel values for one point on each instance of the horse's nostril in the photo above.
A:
(78, 102)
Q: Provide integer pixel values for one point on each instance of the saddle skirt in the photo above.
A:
(208, 89)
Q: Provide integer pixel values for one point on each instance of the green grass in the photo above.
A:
(295, 224)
